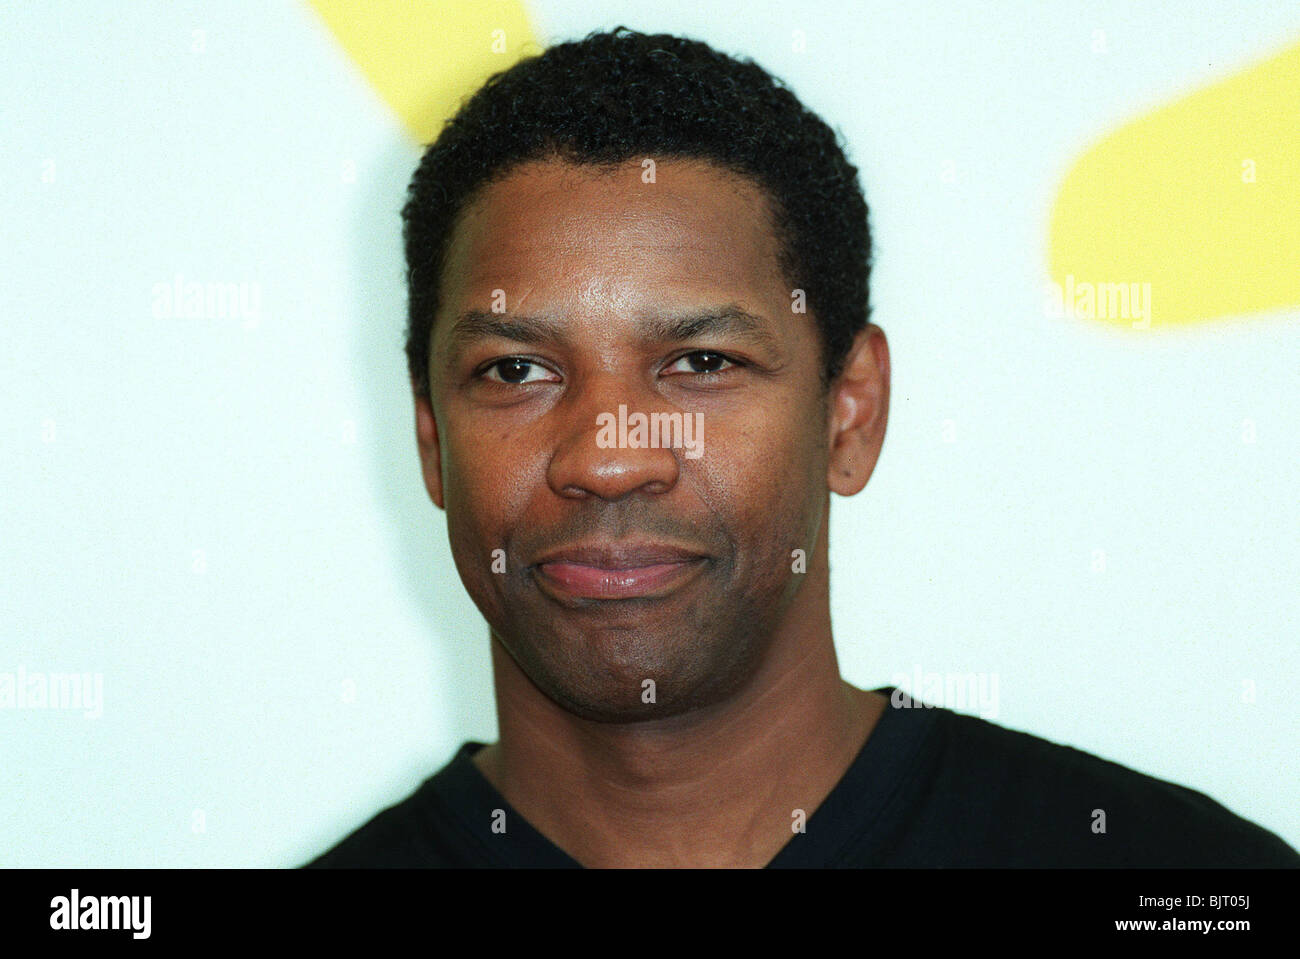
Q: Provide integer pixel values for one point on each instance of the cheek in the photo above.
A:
(766, 483)
(486, 480)
(483, 477)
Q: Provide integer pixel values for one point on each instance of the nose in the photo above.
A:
(602, 453)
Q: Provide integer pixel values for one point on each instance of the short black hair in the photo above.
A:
(619, 95)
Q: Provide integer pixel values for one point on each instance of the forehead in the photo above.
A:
(554, 234)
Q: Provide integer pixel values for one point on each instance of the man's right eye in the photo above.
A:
(514, 370)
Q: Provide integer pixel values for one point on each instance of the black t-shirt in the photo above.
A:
(930, 788)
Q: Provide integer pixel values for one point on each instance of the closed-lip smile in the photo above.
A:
(631, 570)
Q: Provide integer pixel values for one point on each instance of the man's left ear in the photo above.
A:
(858, 410)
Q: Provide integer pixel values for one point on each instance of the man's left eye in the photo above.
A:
(702, 361)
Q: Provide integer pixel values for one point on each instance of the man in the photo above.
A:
(641, 358)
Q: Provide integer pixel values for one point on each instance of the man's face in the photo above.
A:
(567, 294)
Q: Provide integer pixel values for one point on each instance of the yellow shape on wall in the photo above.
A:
(423, 56)
(1200, 199)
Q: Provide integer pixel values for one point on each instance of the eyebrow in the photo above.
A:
(729, 320)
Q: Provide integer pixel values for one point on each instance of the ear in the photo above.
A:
(858, 408)
(426, 439)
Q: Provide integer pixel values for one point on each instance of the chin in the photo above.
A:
(604, 678)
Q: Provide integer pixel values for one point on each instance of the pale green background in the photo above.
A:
(323, 563)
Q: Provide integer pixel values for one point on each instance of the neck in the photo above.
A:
(716, 787)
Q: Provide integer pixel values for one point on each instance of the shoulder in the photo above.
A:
(421, 831)
(393, 838)
(1058, 805)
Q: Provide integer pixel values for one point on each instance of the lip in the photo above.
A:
(617, 571)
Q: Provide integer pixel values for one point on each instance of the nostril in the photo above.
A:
(611, 466)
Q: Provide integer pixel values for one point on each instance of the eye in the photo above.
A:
(514, 370)
(703, 362)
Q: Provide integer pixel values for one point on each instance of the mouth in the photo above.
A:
(643, 571)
